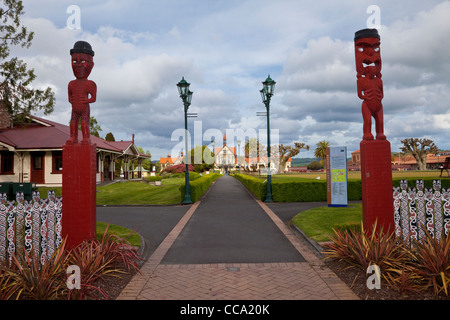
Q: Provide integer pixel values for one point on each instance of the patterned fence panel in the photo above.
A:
(33, 226)
(418, 210)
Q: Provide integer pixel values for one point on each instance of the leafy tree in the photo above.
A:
(207, 158)
(16, 93)
(286, 152)
(94, 127)
(315, 165)
(419, 148)
(253, 148)
(110, 137)
(321, 151)
(147, 162)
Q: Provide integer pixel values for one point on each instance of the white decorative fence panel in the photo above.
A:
(33, 226)
(418, 209)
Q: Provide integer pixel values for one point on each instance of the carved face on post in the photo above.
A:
(367, 53)
(82, 64)
(82, 58)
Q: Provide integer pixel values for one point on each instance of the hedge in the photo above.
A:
(199, 186)
(154, 178)
(257, 186)
(314, 190)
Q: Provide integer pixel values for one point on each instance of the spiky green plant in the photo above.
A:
(362, 248)
(34, 281)
(432, 262)
(111, 256)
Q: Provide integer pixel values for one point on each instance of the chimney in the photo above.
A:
(132, 140)
(5, 117)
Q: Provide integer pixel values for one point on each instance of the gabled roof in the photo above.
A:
(43, 134)
(217, 150)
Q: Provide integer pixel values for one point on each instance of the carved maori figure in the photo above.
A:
(369, 83)
(81, 91)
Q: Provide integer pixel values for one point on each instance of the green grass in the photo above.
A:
(416, 174)
(318, 223)
(140, 193)
(122, 232)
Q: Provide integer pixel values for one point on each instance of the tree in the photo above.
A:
(15, 78)
(321, 150)
(286, 152)
(94, 127)
(253, 148)
(315, 165)
(202, 158)
(110, 137)
(147, 162)
(419, 148)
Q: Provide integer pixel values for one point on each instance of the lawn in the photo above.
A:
(133, 192)
(133, 238)
(416, 174)
(140, 193)
(318, 223)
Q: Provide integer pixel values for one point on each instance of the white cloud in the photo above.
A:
(226, 48)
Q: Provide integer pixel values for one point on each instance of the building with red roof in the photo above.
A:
(32, 152)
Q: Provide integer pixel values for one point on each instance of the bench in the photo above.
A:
(445, 166)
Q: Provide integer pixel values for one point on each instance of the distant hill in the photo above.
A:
(302, 162)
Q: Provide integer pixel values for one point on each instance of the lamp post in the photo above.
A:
(213, 142)
(239, 152)
(266, 95)
(186, 96)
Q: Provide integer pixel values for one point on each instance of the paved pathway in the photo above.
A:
(229, 246)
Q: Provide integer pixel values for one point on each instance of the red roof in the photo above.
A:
(46, 134)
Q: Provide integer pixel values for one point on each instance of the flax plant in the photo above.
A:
(99, 259)
(362, 248)
(7, 286)
(432, 262)
(33, 281)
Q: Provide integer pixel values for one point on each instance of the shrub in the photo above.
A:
(199, 186)
(97, 259)
(179, 168)
(315, 165)
(362, 248)
(154, 178)
(302, 191)
(432, 258)
(256, 186)
(27, 279)
(406, 267)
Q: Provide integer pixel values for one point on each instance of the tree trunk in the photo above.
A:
(422, 162)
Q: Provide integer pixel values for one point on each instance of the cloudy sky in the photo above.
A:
(225, 49)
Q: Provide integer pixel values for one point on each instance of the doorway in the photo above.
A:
(37, 167)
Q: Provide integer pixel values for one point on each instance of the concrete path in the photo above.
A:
(230, 246)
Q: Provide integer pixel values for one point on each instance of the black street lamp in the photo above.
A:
(213, 142)
(238, 154)
(186, 96)
(266, 95)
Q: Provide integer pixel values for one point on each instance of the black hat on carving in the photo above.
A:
(82, 47)
(366, 33)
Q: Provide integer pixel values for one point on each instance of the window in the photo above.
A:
(7, 162)
(57, 162)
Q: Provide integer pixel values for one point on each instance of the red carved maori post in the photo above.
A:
(376, 168)
(79, 159)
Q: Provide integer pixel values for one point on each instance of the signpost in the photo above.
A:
(337, 191)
